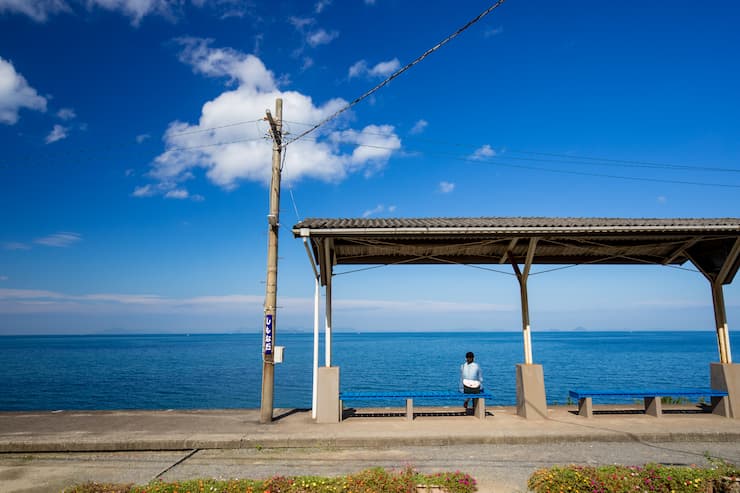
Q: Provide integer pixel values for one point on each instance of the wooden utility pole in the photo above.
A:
(273, 221)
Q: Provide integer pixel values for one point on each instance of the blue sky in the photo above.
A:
(135, 161)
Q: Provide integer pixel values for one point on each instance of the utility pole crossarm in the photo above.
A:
(275, 130)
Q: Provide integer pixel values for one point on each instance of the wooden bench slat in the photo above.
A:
(409, 396)
(577, 394)
(652, 398)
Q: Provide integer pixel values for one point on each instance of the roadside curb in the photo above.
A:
(10, 447)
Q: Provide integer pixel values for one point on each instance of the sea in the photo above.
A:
(224, 371)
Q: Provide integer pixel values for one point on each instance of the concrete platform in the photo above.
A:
(48, 451)
(77, 431)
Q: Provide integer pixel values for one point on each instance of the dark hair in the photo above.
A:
(469, 354)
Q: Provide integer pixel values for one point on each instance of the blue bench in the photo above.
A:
(480, 404)
(652, 398)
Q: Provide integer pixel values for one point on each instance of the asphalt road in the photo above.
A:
(497, 468)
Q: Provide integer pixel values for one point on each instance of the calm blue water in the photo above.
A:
(225, 371)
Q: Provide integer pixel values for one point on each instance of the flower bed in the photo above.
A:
(376, 480)
(653, 478)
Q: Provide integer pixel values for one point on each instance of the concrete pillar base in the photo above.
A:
(531, 402)
(726, 376)
(328, 407)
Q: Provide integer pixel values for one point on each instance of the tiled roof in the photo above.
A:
(654, 224)
(708, 243)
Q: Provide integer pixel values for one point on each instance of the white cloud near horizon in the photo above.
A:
(57, 133)
(62, 239)
(483, 152)
(15, 94)
(229, 154)
(382, 69)
(31, 300)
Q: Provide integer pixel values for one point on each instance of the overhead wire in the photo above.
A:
(396, 73)
(567, 158)
(499, 162)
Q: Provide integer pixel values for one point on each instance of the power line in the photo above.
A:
(398, 72)
(499, 162)
(202, 130)
(567, 158)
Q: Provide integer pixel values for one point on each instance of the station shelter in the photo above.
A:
(711, 245)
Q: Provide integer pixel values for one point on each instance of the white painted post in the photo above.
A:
(328, 273)
(315, 347)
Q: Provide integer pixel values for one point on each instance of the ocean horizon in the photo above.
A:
(224, 370)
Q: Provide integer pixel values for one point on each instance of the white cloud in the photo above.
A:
(136, 10)
(38, 10)
(300, 23)
(57, 133)
(493, 32)
(419, 127)
(66, 114)
(232, 153)
(482, 153)
(61, 240)
(446, 187)
(177, 194)
(15, 93)
(142, 138)
(35, 301)
(382, 69)
(321, 37)
(144, 191)
(379, 209)
(3, 278)
(662, 199)
(307, 63)
(358, 68)
(15, 245)
(321, 5)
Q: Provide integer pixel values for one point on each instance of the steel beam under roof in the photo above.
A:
(708, 243)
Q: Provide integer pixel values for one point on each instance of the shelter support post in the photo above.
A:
(726, 376)
(328, 313)
(723, 375)
(530, 381)
(720, 319)
(316, 295)
(315, 386)
(328, 406)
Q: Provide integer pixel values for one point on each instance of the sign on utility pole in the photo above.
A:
(273, 222)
